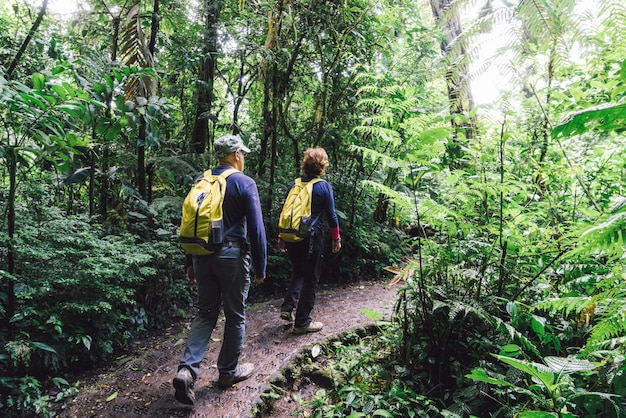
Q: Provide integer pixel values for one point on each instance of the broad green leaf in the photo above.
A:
(59, 90)
(606, 117)
(113, 396)
(50, 99)
(617, 92)
(78, 176)
(537, 414)
(373, 315)
(576, 93)
(481, 376)
(118, 76)
(382, 413)
(568, 365)
(560, 95)
(436, 134)
(69, 89)
(59, 381)
(39, 81)
(44, 137)
(113, 131)
(510, 350)
(31, 99)
(86, 340)
(43, 346)
(540, 371)
(109, 81)
(538, 327)
(511, 308)
(73, 109)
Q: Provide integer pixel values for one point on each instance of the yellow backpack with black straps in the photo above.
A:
(295, 222)
(202, 224)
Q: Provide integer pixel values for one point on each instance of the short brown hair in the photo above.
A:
(315, 161)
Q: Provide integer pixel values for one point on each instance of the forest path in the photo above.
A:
(141, 386)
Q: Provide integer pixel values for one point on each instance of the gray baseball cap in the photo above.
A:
(228, 144)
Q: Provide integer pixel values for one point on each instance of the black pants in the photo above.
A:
(306, 263)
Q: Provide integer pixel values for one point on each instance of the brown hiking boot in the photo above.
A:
(243, 372)
(183, 384)
(311, 327)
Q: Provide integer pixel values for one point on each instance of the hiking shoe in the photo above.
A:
(287, 316)
(183, 383)
(311, 327)
(242, 372)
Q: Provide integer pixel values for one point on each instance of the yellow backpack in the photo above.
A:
(295, 222)
(202, 225)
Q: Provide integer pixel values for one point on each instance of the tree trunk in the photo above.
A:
(31, 32)
(206, 78)
(11, 158)
(457, 79)
(141, 159)
(106, 154)
(141, 147)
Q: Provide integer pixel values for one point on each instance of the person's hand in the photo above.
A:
(281, 245)
(259, 280)
(191, 275)
(336, 246)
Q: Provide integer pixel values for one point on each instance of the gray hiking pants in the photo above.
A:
(223, 277)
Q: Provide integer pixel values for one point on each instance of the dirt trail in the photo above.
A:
(142, 386)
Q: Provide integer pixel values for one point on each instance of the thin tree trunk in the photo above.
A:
(10, 308)
(141, 147)
(206, 78)
(31, 32)
(106, 154)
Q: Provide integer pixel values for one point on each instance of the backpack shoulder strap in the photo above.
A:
(228, 172)
(313, 181)
(223, 174)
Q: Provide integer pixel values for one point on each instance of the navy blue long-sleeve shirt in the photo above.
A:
(243, 217)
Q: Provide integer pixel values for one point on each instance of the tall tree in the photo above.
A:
(454, 49)
(206, 78)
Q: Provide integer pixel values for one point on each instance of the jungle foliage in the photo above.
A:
(503, 222)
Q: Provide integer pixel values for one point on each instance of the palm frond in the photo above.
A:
(134, 51)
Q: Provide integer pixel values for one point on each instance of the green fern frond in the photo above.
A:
(375, 131)
(370, 88)
(566, 304)
(374, 155)
(606, 237)
(609, 327)
(384, 121)
(372, 102)
(403, 201)
(475, 310)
